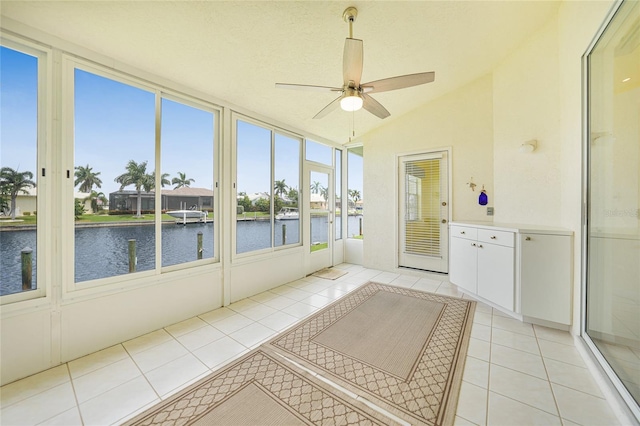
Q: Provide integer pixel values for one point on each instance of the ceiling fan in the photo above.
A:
(354, 94)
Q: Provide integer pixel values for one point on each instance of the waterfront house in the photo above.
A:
(26, 204)
(172, 199)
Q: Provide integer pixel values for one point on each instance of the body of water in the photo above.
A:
(102, 252)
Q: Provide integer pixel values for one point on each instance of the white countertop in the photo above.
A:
(514, 227)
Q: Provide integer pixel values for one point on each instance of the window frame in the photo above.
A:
(44, 198)
(216, 111)
(126, 281)
(235, 117)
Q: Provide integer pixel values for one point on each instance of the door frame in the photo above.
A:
(449, 175)
(315, 261)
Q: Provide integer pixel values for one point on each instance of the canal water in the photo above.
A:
(102, 252)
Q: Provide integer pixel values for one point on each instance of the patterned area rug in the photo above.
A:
(398, 349)
(260, 389)
(329, 273)
(402, 349)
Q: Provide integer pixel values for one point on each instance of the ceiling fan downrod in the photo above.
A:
(349, 15)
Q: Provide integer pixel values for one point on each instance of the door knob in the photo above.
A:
(444, 220)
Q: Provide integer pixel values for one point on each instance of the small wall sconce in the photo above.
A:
(528, 146)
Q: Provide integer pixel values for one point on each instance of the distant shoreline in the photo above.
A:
(86, 225)
(32, 227)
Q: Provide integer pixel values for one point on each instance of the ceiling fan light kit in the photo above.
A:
(351, 102)
(353, 94)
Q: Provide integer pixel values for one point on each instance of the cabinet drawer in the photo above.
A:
(464, 232)
(503, 238)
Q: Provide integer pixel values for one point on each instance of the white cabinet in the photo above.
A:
(523, 269)
(495, 274)
(463, 258)
(545, 276)
(482, 263)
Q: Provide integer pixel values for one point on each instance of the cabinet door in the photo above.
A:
(463, 264)
(545, 277)
(496, 274)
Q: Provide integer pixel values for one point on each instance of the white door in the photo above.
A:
(319, 216)
(424, 211)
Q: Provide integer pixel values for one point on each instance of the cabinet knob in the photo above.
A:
(473, 244)
(493, 237)
(444, 220)
(462, 232)
(527, 238)
(479, 245)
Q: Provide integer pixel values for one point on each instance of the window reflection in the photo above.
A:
(613, 287)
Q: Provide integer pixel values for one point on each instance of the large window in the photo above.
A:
(318, 153)
(116, 188)
(188, 183)
(286, 190)
(21, 100)
(114, 197)
(268, 184)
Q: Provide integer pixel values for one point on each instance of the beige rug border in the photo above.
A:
(285, 363)
(449, 411)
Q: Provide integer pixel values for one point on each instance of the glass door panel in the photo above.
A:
(319, 209)
(319, 216)
(424, 212)
(613, 229)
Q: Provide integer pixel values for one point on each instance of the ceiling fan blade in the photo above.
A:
(308, 87)
(374, 107)
(399, 82)
(326, 110)
(352, 61)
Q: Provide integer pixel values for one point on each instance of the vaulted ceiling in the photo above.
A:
(237, 50)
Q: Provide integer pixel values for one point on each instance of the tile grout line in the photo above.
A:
(486, 416)
(546, 371)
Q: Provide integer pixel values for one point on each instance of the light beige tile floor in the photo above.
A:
(515, 373)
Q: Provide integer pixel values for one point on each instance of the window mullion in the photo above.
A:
(158, 182)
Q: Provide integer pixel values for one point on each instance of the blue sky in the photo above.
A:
(114, 123)
(18, 114)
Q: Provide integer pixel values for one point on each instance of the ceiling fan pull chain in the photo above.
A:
(353, 123)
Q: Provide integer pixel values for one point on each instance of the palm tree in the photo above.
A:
(94, 197)
(12, 183)
(324, 192)
(137, 176)
(164, 180)
(293, 195)
(181, 181)
(355, 195)
(315, 187)
(86, 178)
(280, 188)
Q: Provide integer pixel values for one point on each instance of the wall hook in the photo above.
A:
(471, 184)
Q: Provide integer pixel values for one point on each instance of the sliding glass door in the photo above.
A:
(613, 197)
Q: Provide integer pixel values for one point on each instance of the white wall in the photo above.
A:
(534, 93)
(526, 106)
(461, 120)
(37, 338)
